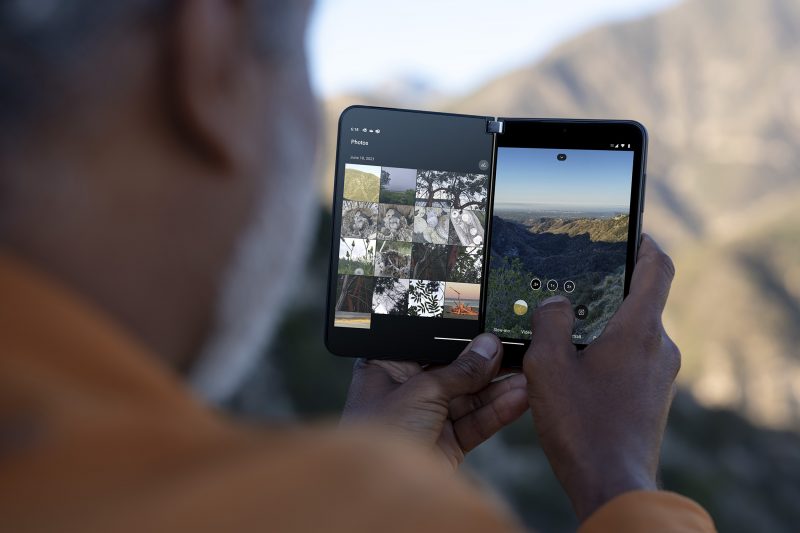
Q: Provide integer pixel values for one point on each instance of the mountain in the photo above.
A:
(716, 82)
(609, 229)
(556, 255)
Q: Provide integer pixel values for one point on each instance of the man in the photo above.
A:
(152, 153)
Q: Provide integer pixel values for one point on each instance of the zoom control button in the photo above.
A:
(569, 286)
(536, 284)
(552, 285)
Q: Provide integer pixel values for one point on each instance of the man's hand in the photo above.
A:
(453, 408)
(600, 413)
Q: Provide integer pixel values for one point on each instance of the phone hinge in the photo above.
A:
(495, 126)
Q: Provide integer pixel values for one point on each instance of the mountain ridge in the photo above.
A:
(716, 84)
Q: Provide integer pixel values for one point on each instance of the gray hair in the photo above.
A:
(41, 39)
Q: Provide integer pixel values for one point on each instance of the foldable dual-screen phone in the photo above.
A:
(445, 226)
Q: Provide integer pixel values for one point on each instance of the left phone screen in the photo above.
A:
(408, 251)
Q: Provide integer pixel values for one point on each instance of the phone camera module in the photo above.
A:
(561, 157)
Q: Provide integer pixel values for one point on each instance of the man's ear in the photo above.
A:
(215, 87)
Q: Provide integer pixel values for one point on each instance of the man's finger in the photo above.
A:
(473, 370)
(650, 283)
(477, 426)
(374, 377)
(552, 323)
(463, 405)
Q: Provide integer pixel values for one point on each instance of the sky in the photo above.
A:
(449, 46)
(469, 291)
(401, 179)
(597, 179)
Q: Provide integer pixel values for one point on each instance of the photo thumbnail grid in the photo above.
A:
(411, 244)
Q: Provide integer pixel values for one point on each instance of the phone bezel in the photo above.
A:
(357, 343)
(570, 134)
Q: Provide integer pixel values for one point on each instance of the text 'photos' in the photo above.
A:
(411, 244)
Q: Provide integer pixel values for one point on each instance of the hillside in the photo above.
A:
(555, 254)
(611, 229)
(716, 83)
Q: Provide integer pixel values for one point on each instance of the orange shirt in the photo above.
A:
(96, 434)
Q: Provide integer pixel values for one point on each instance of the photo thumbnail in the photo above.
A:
(359, 219)
(462, 300)
(395, 222)
(432, 261)
(466, 227)
(467, 266)
(354, 293)
(362, 182)
(468, 191)
(343, 319)
(433, 188)
(431, 225)
(425, 298)
(356, 256)
(390, 296)
(393, 259)
(398, 185)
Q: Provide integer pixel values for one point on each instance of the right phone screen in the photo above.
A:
(560, 226)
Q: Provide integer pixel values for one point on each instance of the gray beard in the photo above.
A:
(268, 261)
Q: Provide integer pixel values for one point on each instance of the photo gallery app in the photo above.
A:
(411, 244)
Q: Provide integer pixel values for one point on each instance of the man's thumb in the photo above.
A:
(477, 365)
(552, 323)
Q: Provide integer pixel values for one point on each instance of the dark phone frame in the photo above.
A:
(570, 134)
(357, 343)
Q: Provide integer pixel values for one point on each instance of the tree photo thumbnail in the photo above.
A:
(431, 261)
(390, 296)
(467, 265)
(398, 185)
(468, 191)
(425, 298)
(354, 293)
(433, 188)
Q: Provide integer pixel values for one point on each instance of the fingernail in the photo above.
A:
(485, 346)
(553, 299)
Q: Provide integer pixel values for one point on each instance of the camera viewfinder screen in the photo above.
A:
(559, 226)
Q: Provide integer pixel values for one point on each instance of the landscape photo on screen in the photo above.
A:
(559, 226)
(411, 244)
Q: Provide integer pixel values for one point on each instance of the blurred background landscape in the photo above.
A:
(717, 83)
